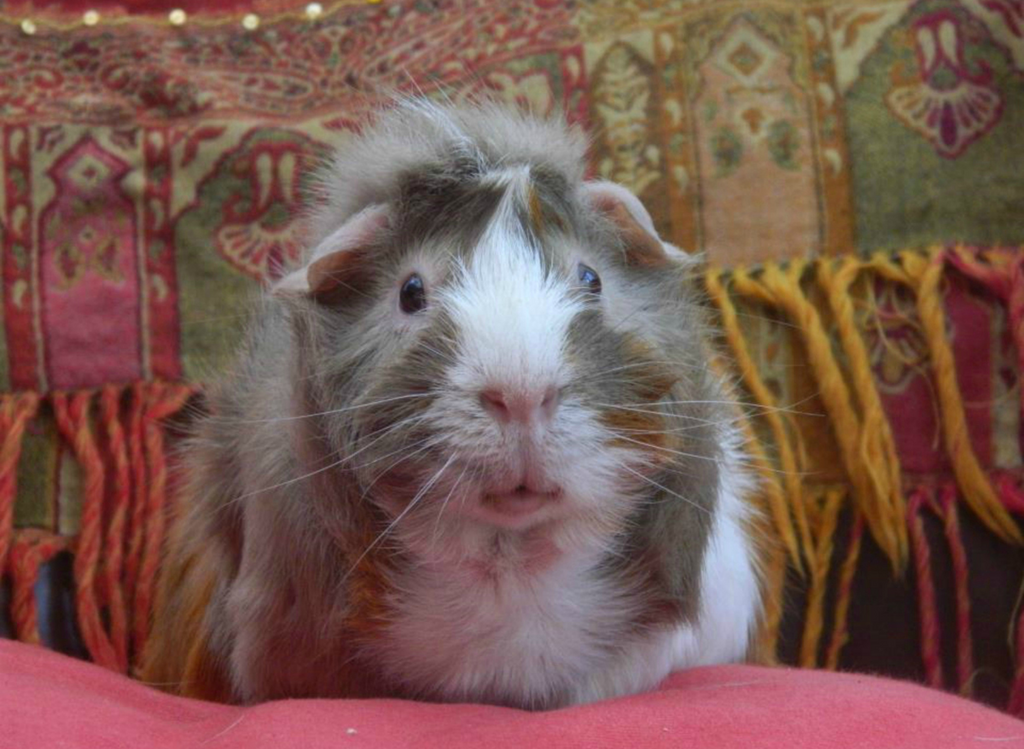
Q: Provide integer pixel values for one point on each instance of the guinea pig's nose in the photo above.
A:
(523, 406)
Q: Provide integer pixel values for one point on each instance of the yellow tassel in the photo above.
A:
(783, 290)
(814, 621)
(875, 445)
(773, 594)
(840, 636)
(787, 456)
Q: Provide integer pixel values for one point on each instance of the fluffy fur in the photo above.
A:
(354, 522)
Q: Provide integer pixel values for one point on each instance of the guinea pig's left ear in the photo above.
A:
(640, 239)
(335, 260)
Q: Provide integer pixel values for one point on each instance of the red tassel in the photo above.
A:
(925, 590)
(72, 414)
(137, 521)
(31, 549)
(946, 509)
(165, 400)
(119, 501)
(15, 411)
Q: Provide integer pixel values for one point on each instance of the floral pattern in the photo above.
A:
(952, 103)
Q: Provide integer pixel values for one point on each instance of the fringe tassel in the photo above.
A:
(1012, 495)
(927, 611)
(787, 456)
(773, 552)
(875, 444)
(31, 549)
(164, 400)
(846, 574)
(782, 289)
(942, 503)
(1016, 705)
(72, 415)
(814, 620)
(1002, 272)
(120, 500)
(116, 435)
(15, 411)
(864, 436)
(946, 509)
(138, 395)
(774, 595)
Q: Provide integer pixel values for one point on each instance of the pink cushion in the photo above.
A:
(48, 700)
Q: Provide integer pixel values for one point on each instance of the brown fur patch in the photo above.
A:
(536, 211)
(178, 657)
(641, 422)
(635, 427)
(368, 588)
(654, 381)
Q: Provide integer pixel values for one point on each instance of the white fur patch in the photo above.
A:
(519, 639)
(511, 314)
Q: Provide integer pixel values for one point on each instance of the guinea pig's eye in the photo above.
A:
(589, 278)
(413, 296)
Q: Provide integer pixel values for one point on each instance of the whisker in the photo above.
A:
(427, 443)
(476, 476)
(704, 423)
(379, 458)
(756, 406)
(657, 413)
(652, 482)
(415, 500)
(636, 365)
(440, 354)
(356, 407)
(187, 322)
(765, 318)
(444, 504)
(680, 453)
(329, 466)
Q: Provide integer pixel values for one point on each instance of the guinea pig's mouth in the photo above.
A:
(518, 507)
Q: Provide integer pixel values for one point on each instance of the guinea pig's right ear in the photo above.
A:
(640, 239)
(334, 262)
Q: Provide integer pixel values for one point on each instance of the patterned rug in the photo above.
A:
(852, 170)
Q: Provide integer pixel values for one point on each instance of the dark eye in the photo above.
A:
(589, 278)
(413, 296)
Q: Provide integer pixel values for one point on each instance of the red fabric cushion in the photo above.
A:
(48, 700)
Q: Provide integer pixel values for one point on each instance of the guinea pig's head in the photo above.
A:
(501, 351)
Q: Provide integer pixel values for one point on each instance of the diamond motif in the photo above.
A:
(88, 172)
(745, 55)
(746, 59)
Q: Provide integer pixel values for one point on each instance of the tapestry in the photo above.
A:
(853, 173)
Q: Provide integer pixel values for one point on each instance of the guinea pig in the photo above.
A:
(472, 450)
